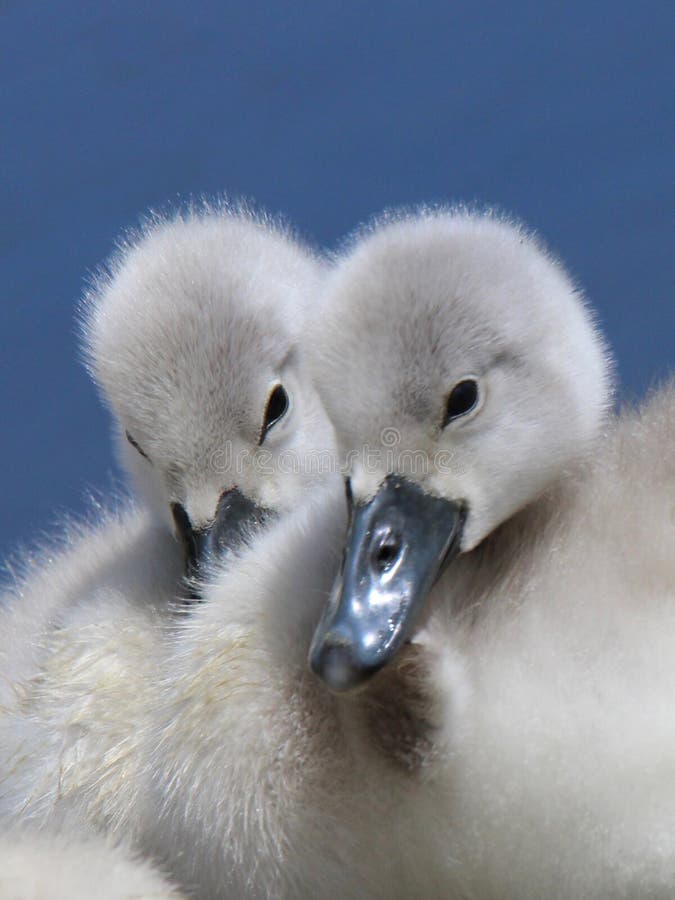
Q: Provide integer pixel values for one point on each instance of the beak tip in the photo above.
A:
(335, 664)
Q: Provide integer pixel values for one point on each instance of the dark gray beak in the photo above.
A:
(236, 521)
(396, 547)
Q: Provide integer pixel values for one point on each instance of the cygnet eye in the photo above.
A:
(137, 446)
(461, 400)
(276, 409)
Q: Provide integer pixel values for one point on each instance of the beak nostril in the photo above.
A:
(386, 553)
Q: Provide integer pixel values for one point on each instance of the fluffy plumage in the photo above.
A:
(79, 636)
(566, 785)
(73, 866)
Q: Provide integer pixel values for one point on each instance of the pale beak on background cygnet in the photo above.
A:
(192, 337)
(463, 375)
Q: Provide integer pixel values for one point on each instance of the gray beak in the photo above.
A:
(396, 546)
(237, 520)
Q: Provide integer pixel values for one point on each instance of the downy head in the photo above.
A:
(192, 336)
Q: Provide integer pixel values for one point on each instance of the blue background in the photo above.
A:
(327, 111)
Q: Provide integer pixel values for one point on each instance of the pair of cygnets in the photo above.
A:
(457, 682)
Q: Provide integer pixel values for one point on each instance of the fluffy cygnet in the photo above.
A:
(510, 557)
(193, 337)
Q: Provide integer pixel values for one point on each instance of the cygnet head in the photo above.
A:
(463, 375)
(192, 336)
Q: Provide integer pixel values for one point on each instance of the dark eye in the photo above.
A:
(137, 446)
(277, 407)
(461, 400)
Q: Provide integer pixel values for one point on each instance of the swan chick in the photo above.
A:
(192, 335)
(459, 338)
(505, 610)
